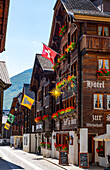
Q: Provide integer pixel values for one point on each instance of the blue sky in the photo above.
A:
(29, 25)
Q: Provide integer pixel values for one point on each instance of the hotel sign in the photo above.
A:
(94, 84)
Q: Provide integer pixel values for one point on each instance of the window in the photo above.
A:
(98, 101)
(108, 101)
(58, 138)
(103, 31)
(104, 64)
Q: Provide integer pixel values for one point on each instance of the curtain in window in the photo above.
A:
(100, 64)
(95, 101)
(100, 101)
(100, 31)
(106, 64)
(105, 31)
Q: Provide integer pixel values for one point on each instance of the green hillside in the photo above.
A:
(17, 86)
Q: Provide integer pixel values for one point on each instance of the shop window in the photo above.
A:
(103, 31)
(103, 64)
(58, 138)
(65, 138)
(108, 101)
(98, 101)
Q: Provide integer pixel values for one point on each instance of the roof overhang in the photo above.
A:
(104, 137)
(4, 9)
(91, 18)
(3, 85)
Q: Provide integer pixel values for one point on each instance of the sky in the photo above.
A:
(29, 24)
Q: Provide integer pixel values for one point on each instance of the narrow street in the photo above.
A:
(11, 158)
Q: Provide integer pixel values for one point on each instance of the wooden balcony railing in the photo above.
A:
(94, 43)
(67, 93)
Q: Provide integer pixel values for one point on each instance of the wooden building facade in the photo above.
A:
(89, 61)
(41, 84)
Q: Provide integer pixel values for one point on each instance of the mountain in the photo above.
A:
(17, 82)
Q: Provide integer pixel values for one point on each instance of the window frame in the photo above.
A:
(102, 30)
(95, 108)
(103, 63)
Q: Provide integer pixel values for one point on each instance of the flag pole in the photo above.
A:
(52, 49)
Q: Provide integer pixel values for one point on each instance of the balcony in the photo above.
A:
(67, 94)
(95, 43)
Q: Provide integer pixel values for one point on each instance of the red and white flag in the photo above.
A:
(48, 53)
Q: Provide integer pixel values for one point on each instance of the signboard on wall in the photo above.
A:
(39, 126)
(63, 158)
(83, 160)
(95, 121)
(94, 84)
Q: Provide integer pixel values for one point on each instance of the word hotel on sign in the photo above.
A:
(93, 84)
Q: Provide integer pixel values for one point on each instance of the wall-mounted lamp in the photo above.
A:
(71, 137)
(54, 136)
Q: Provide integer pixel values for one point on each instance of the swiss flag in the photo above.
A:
(48, 53)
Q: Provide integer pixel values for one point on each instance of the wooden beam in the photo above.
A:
(92, 18)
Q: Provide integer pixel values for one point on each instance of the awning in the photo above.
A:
(105, 137)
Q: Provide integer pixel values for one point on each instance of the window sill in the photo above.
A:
(100, 155)
(98, 108)
(103, 77)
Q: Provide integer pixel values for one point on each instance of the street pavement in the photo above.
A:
(15, 159)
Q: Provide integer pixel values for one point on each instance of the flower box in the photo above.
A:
(48, 145)
(63, 147)
(103, 72)
(38, 119)
(71, 47)
(62, 30)
(42, 144)
(100, 151)
(45, 117)
(62, 112)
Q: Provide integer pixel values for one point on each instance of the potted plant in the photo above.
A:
(48, 145)
(65, 147)
(42, 144)
(100, 150)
